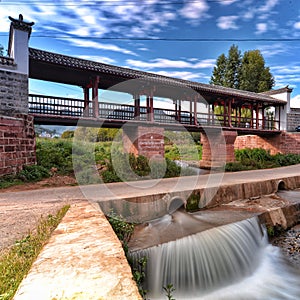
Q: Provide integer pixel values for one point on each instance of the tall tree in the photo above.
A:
(255, 76)
(218, 76)
(226, 71)
(247, 72)
(233, 67)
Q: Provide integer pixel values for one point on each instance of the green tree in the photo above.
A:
(218, 77)
(247, 72)
(233, 67)
(254, 75)
(68, 134)
(1, 50)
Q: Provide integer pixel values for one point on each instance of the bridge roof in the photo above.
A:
(60, 68)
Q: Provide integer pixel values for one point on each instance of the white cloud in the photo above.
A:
(100, 59)
(143, 49)
(297, 25)
(227, 22)
(182, 75)
(274, 49)
(295, 101)
(227, 2)
(261, 28)
(167, 63)
(286, 75)
(269, 5)
(194, 10)
(95, 45)
(288, 69)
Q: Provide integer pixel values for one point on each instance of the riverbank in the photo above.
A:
(289, 242)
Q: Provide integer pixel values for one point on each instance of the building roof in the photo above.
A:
(285, 89)
(60, 68)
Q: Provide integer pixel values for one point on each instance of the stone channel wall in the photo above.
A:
(17, 143)
(13, 93)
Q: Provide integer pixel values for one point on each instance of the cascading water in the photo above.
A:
(233, 261)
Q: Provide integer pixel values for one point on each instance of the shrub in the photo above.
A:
(55, 154)
(250, 159)
(172, 169)
(33, 173)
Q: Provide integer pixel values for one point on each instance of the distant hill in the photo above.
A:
(51, 130)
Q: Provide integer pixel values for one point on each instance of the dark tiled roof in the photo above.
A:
(82, 64)
(7, 61)
(279, 91)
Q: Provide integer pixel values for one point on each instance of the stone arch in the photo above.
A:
(281, 185)
(175, 203)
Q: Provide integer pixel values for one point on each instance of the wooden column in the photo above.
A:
(179, 111)
(95, 97)
(195, 110)
(149, 106)
(224, 113)
(86, 110)
(257, 116)
(137, 106)
(251, 120)
(191, 112)
(229, 112)
(213, 114)
(263, 116)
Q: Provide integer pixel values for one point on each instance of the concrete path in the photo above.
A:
(121, 190)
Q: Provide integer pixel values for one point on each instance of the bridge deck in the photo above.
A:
(71, 112)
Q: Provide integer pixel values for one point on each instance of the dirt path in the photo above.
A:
(19, 217)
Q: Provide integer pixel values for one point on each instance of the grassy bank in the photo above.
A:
(93, 163)
(16, 261)
(253, 159)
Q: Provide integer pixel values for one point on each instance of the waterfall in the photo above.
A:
(218, 263)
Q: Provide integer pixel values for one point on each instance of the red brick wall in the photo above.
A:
(217, 148)
(146, 141)
(284, 143)
(17, 143)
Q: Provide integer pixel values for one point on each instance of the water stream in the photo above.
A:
(233, 261)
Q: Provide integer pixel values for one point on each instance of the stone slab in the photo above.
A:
(83, 260)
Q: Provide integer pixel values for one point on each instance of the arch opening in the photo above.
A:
(175, 204)
(281, 186)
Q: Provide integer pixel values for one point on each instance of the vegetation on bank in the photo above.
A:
(253, 159)
(104, 161)
(16, 261)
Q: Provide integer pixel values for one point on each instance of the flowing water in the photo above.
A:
(234, 261)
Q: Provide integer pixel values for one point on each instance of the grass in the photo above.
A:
(16, 261)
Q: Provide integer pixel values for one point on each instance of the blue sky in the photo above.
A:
(149, 35)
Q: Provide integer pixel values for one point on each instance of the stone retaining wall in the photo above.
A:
(293, 119)
(17, 143)
(13, 93)
(284, 143)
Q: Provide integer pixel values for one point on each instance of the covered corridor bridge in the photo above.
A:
(194, 104)
(219, 113)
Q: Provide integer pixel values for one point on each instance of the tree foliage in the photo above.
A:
(1, 50)
(96, 134)
(247, 72)
(255, 76)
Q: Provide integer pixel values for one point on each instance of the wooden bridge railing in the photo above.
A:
(75, 108)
